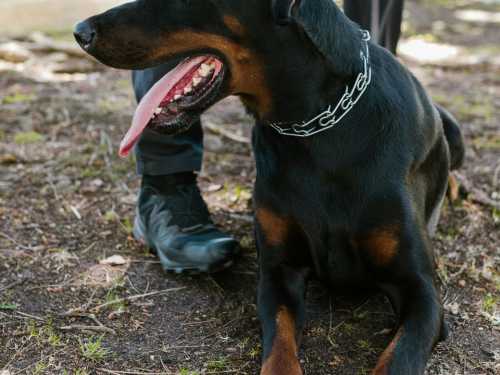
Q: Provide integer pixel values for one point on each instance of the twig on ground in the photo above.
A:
(99, 328)
(475, 194)
(245, 218)
(135, 297)
(6, 236)
(88, 248)
(26, 315)
(225, 133)
(11, 285)
(116, 372)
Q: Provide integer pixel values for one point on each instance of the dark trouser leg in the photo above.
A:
(382, 17)
(159, 154)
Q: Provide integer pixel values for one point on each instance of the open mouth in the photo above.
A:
(174, 103)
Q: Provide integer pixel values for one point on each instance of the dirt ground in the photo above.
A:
(67, 203)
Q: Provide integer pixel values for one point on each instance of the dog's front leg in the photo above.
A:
(409, 281)
(281, 313)
(281, 295)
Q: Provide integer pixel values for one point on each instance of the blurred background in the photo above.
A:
(79, 296)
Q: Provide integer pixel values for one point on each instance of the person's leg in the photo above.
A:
(172, 217)
(391, 17)
(382, 17)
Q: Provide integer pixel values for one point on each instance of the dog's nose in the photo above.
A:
(85, 34)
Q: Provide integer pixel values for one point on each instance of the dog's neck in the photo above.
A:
(335, 112)
(323, 53)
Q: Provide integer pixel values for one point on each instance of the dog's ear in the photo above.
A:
(336, 37)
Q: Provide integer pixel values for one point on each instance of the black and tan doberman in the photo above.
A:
(352, 156)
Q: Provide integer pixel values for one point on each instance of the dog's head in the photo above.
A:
(257, 49)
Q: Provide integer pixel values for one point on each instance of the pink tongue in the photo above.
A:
(153, 99)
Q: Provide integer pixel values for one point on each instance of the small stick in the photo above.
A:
(116, 372)
(88, 328)
(225, 133)
(138, 296)
(6, 236)
(30, 316)
(11, 285)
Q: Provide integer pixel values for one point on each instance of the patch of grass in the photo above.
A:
(53, 338)
(40, 368)
(32, 329)
(217, 364)
(361, 315)
(492, 142)
(92, 349)
(347, 328)
(466, 108)
(25, 138)
(489, 303)
(496, 215)
(78, 371)
(8, 306)
(254, 352)
(109, 105)
(111, 297)
(127, 225)
(365, 346)
(185, 371)
(91, 172)
(60, 34)
(242, 193)
(111, 216)
(17, 98)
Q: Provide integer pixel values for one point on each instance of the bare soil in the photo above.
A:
(67, 203)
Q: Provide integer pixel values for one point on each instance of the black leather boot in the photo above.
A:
(173, 220)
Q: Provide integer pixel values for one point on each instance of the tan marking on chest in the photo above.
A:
(381, 244)
(274, 227)
(283, 358)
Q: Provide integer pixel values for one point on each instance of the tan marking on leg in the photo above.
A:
(381, 244)
(234, 25)
(274, 227)
(283, 359)
(453, 188)
(246, 67)
(383, 363)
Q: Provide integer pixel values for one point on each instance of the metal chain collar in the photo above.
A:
(332, 117)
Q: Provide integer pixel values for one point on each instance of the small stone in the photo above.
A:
(462, 283)
(13, 52)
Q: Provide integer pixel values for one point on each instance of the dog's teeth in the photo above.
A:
(196, 81)
(177, 97)
(204, 70)
(158, 111)
(188, 89)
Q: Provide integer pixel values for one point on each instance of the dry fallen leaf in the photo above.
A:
(114, 260)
